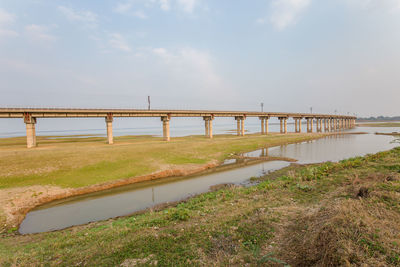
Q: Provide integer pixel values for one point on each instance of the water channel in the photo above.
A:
(132, 198)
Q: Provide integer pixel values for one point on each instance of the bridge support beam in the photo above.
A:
(30, 123)
(266, 125)
(166, 135)
(296, 130)
(208, 126)
(109, 121)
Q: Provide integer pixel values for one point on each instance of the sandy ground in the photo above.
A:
(15, 203)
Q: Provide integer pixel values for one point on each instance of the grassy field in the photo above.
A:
(76, 162)
(380, 124)
(330, 214)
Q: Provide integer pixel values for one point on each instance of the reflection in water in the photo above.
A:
(128, 199)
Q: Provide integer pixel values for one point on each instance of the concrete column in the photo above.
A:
(262, 125)
(242, 126)
(166, 135)
(312, 125)
(299, 125)
(285, 125)
(30, 123)
(281, 124)
(208, 127)
(238, 126)
(295, 125)
(30, 135)
(325, 126)
(266, 125)
(109, 121)
(308, 125)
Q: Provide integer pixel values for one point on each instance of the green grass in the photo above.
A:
(380, 124)
(301, 216)
(77, 162)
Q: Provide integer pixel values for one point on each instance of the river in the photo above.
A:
(132, 198)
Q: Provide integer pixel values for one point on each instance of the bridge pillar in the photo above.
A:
(166, 135)
(109, 121)
(295, 125)
(208, 126)
(262, 119)
(283, 124)
(30, 130)
(299, 125)
(266, 125)
(240, 125)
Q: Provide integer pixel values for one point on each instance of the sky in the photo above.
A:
(334, 56)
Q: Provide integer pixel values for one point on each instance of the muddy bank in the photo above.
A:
(17, 202)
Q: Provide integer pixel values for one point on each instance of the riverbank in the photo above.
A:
(378, 124)
(345, 213)
(71, 166)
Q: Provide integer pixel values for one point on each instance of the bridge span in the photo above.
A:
(324, 122)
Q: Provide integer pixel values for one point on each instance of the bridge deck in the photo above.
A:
(79, 113)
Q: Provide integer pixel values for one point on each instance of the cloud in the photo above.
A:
(123, 8)
(187, 5)
(285, 13)
(389, 5)
(189, 66)
(39, 33)
(6, 19)
(87, 17)
(118, 42)
(165, 5)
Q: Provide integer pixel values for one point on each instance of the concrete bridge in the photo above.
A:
(322, 121)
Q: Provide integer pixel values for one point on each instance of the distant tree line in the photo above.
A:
(380, 118)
